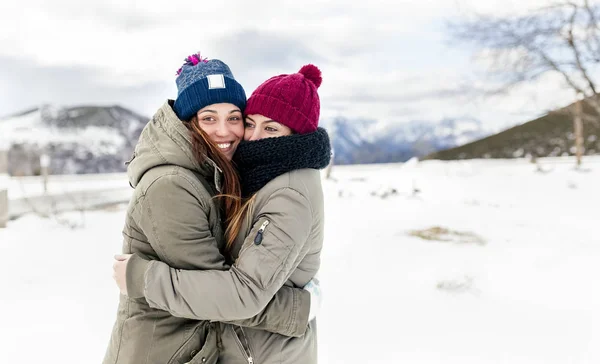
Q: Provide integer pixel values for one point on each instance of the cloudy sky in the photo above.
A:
(389, 60)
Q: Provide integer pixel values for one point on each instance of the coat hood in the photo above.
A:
(166, 141)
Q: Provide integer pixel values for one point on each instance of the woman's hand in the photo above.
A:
(119, 269)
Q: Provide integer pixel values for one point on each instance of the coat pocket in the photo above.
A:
(263, 255)
(209, 354)
(200, 347)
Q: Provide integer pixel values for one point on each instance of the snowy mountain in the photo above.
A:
(85, 139)
(370, 141)
(94, 139)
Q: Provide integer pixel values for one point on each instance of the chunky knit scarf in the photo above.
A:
(262, 160)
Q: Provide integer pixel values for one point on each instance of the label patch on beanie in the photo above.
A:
(216, 81)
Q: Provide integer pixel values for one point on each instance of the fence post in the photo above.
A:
(3, 188)
(45, 164)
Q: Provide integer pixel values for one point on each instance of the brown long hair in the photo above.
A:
(236, 220)
(203, 148)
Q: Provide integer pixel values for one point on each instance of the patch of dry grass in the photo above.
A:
(437, 233)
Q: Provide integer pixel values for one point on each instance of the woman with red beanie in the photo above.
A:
(276, 236)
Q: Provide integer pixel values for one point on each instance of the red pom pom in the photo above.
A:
(312, 73)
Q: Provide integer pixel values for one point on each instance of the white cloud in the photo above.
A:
(384, 59)
(499, 7)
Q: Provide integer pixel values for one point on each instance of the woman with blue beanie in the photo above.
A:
(275, 237)
(180, 168)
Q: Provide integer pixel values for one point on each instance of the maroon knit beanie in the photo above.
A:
(291, 100)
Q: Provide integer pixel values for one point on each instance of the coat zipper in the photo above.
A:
(250, 355)
(131, 159)
(259, 235)
(245, 349)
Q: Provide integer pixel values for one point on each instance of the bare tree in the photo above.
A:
(578, 128)
(562, 38)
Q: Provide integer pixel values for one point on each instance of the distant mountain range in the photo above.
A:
(85, 139)
(370, 141)
(548, 136)
(95, 139)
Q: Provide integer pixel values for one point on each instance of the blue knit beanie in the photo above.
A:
(202, 82)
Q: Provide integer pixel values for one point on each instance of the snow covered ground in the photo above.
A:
(64, 192)
(490, 262)
(31, 186)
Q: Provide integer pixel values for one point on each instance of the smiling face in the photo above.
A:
(260, 127)
(224, 125)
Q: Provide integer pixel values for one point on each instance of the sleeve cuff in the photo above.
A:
(136, 270)
(300, 323)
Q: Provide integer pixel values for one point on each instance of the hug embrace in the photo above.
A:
(224, 231)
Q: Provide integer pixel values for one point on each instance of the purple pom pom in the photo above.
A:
(192, 60)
